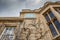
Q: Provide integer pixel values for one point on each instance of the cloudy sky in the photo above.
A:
(11, 8)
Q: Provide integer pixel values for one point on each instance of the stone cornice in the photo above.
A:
(11, 19)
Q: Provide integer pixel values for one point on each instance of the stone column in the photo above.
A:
(56, 14)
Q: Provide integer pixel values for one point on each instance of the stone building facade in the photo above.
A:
(38, 24)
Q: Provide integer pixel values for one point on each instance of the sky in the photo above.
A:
(12, 8)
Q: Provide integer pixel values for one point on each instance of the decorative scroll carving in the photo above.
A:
(33, 31)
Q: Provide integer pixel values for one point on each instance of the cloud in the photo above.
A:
(12, 8)
(33, 4)
(37, 1)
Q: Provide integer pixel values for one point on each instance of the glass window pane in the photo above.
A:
(53, 31)
(51, 15)
(57, 25)
(29, 15)
(8, 33)
(47, 18)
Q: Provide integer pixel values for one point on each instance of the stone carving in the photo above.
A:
(33, 31)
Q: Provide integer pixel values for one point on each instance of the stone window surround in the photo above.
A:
(10, 25)
(51, 21)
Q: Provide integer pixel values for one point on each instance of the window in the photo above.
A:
(51, 22)
(7, 34)
(57, 24)
(53, 31)
(29, 15)
(47, 18)
(51, 15)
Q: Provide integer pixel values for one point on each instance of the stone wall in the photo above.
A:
(33, 30)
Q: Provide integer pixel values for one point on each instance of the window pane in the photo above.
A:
(7, 34)
(47, 18)
(29, 15)
(57, 25)
(51, 15)
(53, 31)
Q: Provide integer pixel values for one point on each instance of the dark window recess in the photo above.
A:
(58, 10)
(51, 15)
(47, 18)
(57, 25)
(53, 31)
